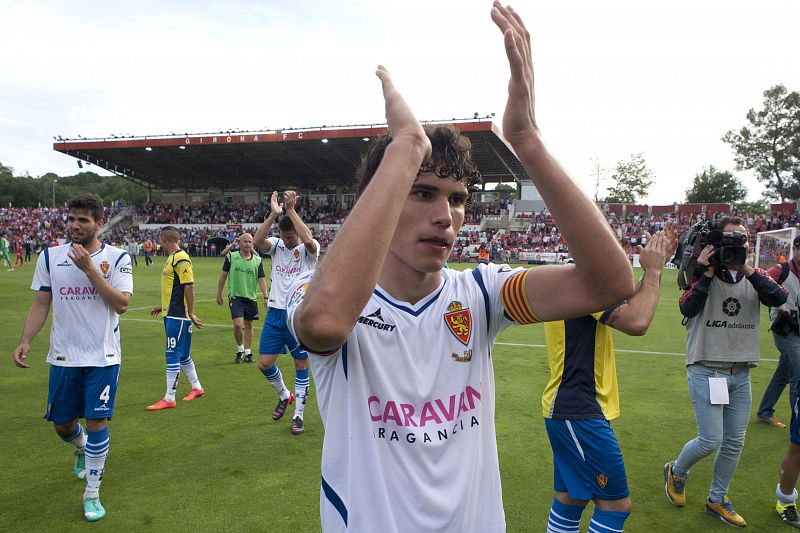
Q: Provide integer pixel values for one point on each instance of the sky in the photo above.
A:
(612, 78)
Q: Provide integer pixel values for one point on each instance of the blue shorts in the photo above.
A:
(243, 308)
(587, 461)
(81, 391)
(276, 336)
(179, 337)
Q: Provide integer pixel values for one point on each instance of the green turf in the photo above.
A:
(221, 463)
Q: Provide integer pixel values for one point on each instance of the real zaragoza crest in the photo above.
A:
(459, 321)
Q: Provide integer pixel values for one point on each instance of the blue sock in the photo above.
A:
(300, 391)
(77, 438)
(564, 517)
(97, 445)
(607, 521)
(275, 379)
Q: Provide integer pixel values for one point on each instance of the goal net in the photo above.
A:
(772, 245)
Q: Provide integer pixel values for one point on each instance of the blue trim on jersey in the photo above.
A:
(344, 359)
(408, 309)
(123, 254)
(479, 279)
(45, 289)
(47, 259)
(335, 500)
(116, 328)
(507, 317)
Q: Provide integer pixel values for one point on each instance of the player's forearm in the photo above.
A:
(599, 258)
(344, 281)
(303, 233)
(262, 233)
(262, 284)
(637, 315)
(114, 298)
(37, 315)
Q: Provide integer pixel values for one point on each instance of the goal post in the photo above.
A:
(772, 245)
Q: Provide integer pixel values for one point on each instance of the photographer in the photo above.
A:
(786, 335)
(722, 344)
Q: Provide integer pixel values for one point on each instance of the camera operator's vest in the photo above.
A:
(727, 329)
(792, 286)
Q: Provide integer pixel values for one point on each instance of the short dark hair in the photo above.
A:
(451, 157)
(90, 203)
(736, 221)
(285, 224)
(170, 234)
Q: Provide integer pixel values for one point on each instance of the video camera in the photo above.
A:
(729, 245)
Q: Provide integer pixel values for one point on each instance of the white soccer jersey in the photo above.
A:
(287, 264)
(408, 409)
(84, 330)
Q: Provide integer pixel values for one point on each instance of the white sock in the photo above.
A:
(240, 348)
(300, 392)
(784, 498)
(187, 366)
(173, 374)
(77, 439)
(247, 351)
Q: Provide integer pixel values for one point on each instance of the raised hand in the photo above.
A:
(290, 198)
(399, 117)
(80, 257)
(654, 254)
(274, 206)
(519, 121)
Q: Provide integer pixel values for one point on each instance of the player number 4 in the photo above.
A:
(106, 394)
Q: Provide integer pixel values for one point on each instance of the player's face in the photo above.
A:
(430, 220)
(290, 238)
(246, 243)
(82, 227)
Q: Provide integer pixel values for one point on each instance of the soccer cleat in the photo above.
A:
(771, 421)
(163, 403)
(297, 426)
(724, 511)
(238, 357)
(788, 513)
(194, 393)
(93, 509)
(248, 358)
(281, 408)
(674, 486)
(79, 468)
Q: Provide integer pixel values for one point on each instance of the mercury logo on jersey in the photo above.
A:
(375, 320)
(437, 419)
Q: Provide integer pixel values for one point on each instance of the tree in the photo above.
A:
(632, 179)
(770, 143)
(715, 186)
(506, 191)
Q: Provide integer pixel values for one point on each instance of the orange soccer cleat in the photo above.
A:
(163, 403)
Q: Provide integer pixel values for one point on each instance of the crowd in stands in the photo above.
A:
(41, 227)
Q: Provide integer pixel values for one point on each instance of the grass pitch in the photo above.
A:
(220, 463)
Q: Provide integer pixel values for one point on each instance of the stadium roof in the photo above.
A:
(307, 158)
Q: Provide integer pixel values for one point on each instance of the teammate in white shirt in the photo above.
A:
(89, 285)
(294, 253)
(401, 348)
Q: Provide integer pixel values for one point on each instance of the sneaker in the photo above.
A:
(79, 468)
(724, 511)
(297, 426)
(771, 421)
(163, 403)
(281, 408)
(238, 357)
(249, 358)
(788, 513)
(674, 486)
(93, 509)
(194, 393)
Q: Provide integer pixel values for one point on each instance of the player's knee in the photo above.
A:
(300, 364)
(96, 424)
(624, 505)
(65, 430)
